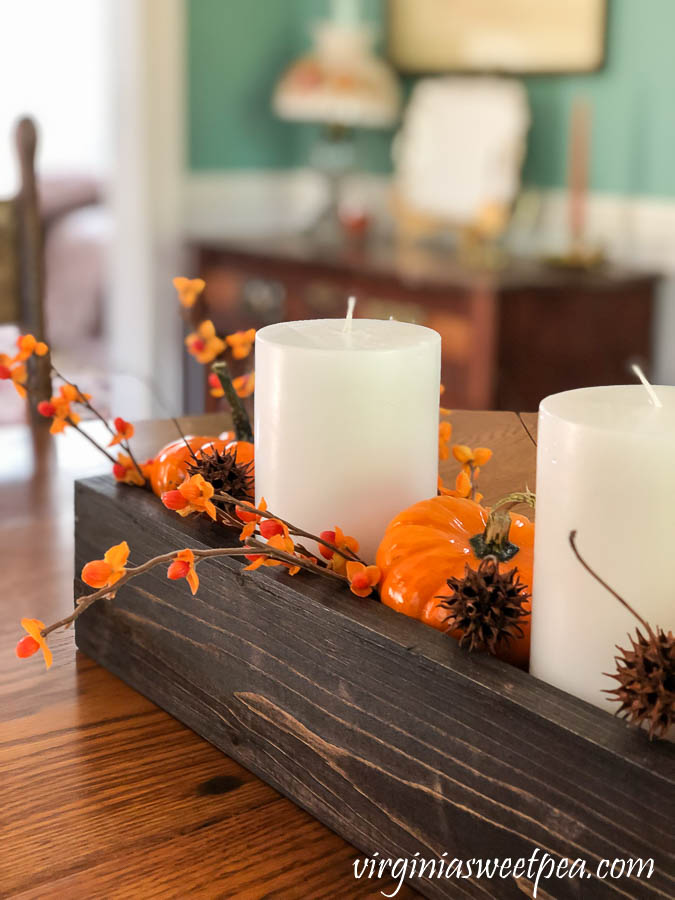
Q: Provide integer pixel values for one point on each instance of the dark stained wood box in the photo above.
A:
(379, 726)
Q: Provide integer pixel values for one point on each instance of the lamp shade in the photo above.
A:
(341, 81)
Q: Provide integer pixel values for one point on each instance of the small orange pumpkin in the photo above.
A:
(435, 540)
(169, 467)
(243, 450)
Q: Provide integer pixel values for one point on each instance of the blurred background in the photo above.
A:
(501, 170)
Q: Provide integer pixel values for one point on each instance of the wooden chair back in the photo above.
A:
(22, 267)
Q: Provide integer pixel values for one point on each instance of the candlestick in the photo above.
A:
(579, 150)
(605, 468)
(346, 422)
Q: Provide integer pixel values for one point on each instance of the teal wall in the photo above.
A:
(237, 48)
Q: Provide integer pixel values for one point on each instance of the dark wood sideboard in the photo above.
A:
(510, 336)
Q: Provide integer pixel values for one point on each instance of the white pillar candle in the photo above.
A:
(346, 422)
(605, 468)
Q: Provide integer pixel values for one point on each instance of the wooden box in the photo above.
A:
(379, 726)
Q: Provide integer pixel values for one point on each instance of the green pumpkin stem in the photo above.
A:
(494, 540)
(240, 419)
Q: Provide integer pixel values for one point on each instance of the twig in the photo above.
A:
(127, 447)
(526, 429)
(611, 590)
(83, 399)
(74, 424)
(227, 519)
(240, 419)
(90, 439)
(293, 529)
(264, 550)
(185, 440)
(83, 603)
(84, 402)
(302, 549)
(473, 480)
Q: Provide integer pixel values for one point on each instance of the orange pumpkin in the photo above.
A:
(169, 467)
(243, 450)
(436, 539)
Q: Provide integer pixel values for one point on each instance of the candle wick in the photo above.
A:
(653, 398)
(351, 303)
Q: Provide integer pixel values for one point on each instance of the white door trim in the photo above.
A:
(148, 87)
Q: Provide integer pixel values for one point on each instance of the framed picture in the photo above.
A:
(515, 36)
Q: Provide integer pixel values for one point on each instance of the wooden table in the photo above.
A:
(104, 794)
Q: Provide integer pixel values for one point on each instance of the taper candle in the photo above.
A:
(346, 422)
(605, 468)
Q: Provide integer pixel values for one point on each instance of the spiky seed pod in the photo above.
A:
(646, 673)
(646, 677)
(486, 605)
(224, 473)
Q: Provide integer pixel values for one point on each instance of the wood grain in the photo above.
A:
(379, 726)
(104, 794)
(513, 465)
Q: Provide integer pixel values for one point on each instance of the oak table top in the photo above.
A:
(104, 794)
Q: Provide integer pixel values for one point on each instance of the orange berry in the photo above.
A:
(326, 552)
(214, 381)
(26, 343)
(463, 483)
(190, 492)
(462, 453)
(46, 408)
(244, 515)
(26, 647)
(96, 573)
(41, 349)
(270, 527)
(174, 500)
(361, 581)
(179, 568)
(481, 455)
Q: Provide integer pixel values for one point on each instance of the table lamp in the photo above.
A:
(342, 85)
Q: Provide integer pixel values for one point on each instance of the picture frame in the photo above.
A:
(497, 36)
